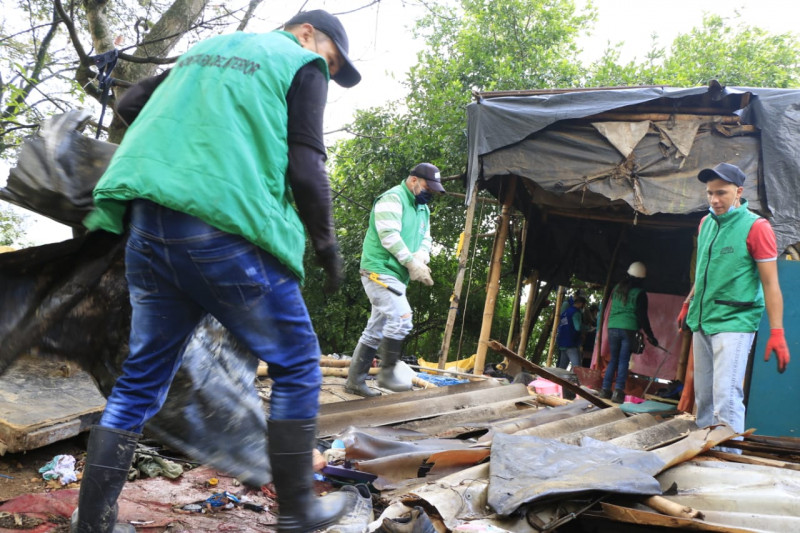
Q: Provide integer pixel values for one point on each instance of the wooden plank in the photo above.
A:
(647, 518)
(43, 401)
(536, 369)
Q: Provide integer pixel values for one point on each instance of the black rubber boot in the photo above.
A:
(291, 443)
(108, 460)
(389, 353)
(359, 367)
(618, 396)
(605, 393)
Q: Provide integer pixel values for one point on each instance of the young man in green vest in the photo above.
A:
(736, 278)
(396, 250)
(204, 181)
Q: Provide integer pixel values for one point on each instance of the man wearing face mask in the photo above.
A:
(396, 250)
(736, 278)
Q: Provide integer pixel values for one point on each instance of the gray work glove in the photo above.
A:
(419, 271)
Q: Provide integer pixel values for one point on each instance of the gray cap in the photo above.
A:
(328, 24)
(723, 171)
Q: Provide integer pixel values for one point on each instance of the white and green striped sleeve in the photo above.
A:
(388, 223)
(426, 240)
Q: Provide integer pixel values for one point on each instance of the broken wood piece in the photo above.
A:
(694, 444)
(536, 369)
(647, 518)
(667, 507)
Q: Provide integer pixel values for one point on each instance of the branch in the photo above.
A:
(248, 14)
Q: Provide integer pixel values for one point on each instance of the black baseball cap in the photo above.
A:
(328, 24)
(430, 174)
(723, 171)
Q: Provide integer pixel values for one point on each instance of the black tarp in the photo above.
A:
(503, 131)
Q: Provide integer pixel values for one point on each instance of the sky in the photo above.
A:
(383, 48)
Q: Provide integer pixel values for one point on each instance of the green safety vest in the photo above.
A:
(623, 315)
(415, 221)
(728, 296)
(225, 161)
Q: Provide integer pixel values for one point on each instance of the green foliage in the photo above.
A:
(737, 54)
(12, 230)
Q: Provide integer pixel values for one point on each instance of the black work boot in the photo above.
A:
(359, 368)
(618, 396)
(389, 353)
(108, 460)
(605, 393)
(291, 443)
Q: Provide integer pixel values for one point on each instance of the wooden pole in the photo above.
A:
(604, 301)
(455, 298)
(518, 288)
(533, 282)
(494, 279)
(554, 332)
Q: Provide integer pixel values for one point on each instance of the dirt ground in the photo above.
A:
(23, 468)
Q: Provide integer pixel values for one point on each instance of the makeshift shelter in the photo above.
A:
(605, 177)
(599, 165)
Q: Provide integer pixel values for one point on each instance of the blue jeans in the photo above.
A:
(619, 345)
(720, 363)
(571, 354)
(178, 269)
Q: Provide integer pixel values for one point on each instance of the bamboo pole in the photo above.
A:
(554, 332)
(533, 282)
(494, 279)
(455, 298)
(604, 301)
(518, 287)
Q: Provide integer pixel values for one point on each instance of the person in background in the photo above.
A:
(736, 278)
(204, 181)
(590, 334)
(568, 336)
(627, 315)
(396, 250)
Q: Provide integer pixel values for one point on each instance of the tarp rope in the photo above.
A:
(105, 64)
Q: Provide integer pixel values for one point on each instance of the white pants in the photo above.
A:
(391, 313)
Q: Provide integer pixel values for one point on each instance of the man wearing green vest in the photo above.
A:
(204, 181)
(736, 278)
(396, 250)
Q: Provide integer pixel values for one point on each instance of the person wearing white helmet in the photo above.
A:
(628, 315)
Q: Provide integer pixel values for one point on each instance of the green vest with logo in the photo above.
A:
(728, 296)
(415, 220)
(623, 314)
(225, 160)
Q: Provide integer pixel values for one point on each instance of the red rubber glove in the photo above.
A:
(777, 343)
(682, 317)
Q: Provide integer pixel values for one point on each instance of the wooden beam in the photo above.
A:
(455, 298)
(556, 320)
(493, 287)
(533, 283)
(539, 371)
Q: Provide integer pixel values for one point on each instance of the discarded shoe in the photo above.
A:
(605, 393)
(618, 396)
(416, 522)
(360, 516)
